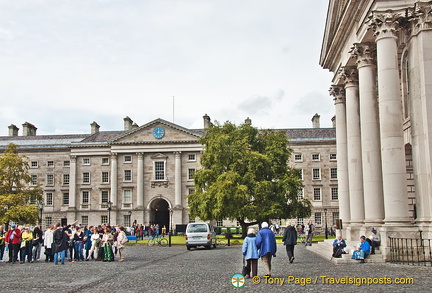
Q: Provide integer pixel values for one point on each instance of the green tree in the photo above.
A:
(17, 199)
(245, 176)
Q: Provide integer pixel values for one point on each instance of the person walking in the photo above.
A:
(250, 253)
(266, 243)
(290, 239)
(309, 233)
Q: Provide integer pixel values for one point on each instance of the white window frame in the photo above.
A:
(191, 157)
(50, 182)
(83, 195)
(49, 199)
(127, 220)
(127, 200)
(300, 159)
(105, 179)
(318, 218)
(86, 161)
(191, 190)
(66, 163)
(34, 164)
(334, 193)
(104, 219)
(125, 159)
(65, 202)
(313, 174)
(300, 194)
(84, 221)
(164, 170)
(125, 175)
(317, 192)
(335, 216)
(333, 157)
(34, 179)
(316, 159)
(66, 179)
(191, 173)
(105, 159)
(333, 173)
(48, 222)
(86, 178)
(103, 199)
(50, 163)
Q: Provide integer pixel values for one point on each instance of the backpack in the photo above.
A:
(338, 253)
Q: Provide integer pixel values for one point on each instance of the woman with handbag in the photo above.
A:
(250, 254)
(121, 241)
(107, 242)
(26, 245)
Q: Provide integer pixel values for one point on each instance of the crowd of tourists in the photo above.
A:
(72, 242)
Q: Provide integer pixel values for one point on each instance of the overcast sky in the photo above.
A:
(67, 63)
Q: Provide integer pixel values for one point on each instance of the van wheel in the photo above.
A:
(188, 247)
(214, 245)
(208, 246)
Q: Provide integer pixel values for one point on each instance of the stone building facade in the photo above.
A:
(379, 52)
(143, 174)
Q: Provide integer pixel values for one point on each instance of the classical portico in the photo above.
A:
(379, 53)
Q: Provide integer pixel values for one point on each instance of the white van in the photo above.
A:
(200, 234)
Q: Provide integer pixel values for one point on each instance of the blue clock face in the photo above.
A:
(158, 132)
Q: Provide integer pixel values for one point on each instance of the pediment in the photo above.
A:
(168, 133)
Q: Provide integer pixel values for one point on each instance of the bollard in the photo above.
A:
(169, 239)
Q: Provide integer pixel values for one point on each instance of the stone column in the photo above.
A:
(140, 181)
(72, 183)
(338, 93)
(178, 181)
(355, 170)
(370, 135)
(391, 118)
(114, 179)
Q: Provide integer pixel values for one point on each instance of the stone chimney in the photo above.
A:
(248, 121)
(207, 121)
(127, 123)
(316, 121)
(13, 130)
(94, 127)
(29, 129)
(334, 121)
(135, 126)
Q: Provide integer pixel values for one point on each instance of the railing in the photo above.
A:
(411, 251)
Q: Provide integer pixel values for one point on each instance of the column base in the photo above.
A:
(400, 231)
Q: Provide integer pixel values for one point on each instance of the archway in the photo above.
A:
(159, 213)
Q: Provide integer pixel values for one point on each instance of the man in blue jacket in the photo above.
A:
(266, 243)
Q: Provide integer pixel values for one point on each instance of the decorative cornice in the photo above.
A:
(365, 54)
(338, 93)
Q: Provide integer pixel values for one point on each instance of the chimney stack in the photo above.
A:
(248, 121)
(127, 123)
(334, 121)
(207, 121)
(29, 129)
(13, 130)
(94, 127)
(316, 121)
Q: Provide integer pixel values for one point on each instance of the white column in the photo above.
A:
(338, 93)
(140, 180)
(390, 114)
(114, 179)
(355, 170)
(72, 182)
(370, 135)
(178, 185)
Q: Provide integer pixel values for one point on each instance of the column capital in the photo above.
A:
(114, 156)
(140, 156)
(422, 17)
(350, 76)
(365, 54)
(386, 24)
(73, 158)
(338, 93)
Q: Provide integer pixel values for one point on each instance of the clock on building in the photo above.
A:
(158, 132)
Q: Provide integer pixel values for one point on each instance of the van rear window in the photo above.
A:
(194, 228)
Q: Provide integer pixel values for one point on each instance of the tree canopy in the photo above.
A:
(17, 199)
(245, 176)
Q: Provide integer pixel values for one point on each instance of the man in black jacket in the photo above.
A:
(290, 239)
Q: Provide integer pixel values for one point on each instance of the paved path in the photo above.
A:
(174, 269)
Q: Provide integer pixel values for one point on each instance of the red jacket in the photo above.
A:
(17, 237)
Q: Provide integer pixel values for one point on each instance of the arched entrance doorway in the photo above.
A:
(159, 213)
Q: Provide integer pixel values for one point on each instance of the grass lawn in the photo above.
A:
(236, 240)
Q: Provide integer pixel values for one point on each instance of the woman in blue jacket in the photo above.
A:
(250, 253)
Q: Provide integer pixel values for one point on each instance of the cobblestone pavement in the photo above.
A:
(174, 269)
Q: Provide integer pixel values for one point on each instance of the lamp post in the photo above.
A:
(171, 229)
(109, 212)
(130, 218)
(325, 218)
(41, 205)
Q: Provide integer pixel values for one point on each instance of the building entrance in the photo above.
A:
(159, 214)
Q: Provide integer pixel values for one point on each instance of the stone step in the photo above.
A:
(324, 249)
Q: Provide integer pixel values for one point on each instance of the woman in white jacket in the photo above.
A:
(95, 238)
(121, 241)
(48, 241)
